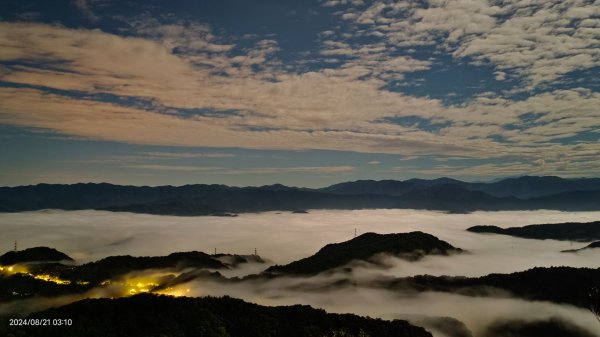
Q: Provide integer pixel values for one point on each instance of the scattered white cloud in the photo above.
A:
(182, 155)
(499, 75)
(301, 169)
(188, 168)
(334, 3)
(86, 8)
(347, 107)
(250, 170)
(540, 40)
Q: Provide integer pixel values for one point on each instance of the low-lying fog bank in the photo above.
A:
(284, 237)
(477, 313)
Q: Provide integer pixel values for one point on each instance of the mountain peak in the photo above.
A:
(35, 254)
(410, 246)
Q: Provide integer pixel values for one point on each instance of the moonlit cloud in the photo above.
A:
(176, 155)
(252, 170)
(542, 40)
(85, 8)
(180, 82)
(175, 168)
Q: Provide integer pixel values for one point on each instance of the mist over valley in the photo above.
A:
(378, 284)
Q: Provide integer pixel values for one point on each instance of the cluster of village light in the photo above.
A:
(132, 286)
(140, 287)
(21, 269)
(147, 284)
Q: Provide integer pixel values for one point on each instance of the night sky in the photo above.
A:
(305, 93)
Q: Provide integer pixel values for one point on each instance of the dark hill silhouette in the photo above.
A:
(568, 231)
(20, 286)
(554, 327)
(36, 254)
(592, 245)
(438, 194)
(533, 186)
(567, 201)
(448, 326)
(79, 278)
(412, 245)
(381, 187)
(389, 187)
(458, 199)
(113, 266)
(520, 187)
(151, 315)
(183, 200)
(172, 207)
(555, 284)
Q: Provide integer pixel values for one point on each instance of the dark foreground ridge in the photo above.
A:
(553, 326)
(568, 231)
(524, 193)
(151, 315)
(411, 246)
(36, 254)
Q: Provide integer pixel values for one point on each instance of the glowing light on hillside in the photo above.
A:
(14, 269)
(135, 285)
(21, 269)
(125, 287)
(175, 292)
(50, 278)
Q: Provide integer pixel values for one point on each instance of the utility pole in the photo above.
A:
(15, 245)
(354, 231)
(215, 251)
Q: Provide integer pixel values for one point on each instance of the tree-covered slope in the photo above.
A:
(555, 284)
(36, 254)
(154, 316)
(412, 245)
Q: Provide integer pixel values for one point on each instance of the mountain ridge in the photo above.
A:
(443, 194)
(410, 246)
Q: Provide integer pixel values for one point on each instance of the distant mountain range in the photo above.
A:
(522, 187)
(444, 194)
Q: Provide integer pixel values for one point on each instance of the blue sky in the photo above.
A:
(304, 93)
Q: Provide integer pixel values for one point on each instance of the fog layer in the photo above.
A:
(284, 237)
